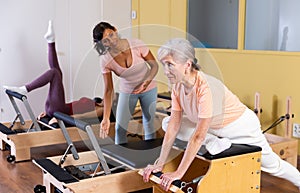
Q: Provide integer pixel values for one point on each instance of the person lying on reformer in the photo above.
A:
(214, 110)
(82, 108)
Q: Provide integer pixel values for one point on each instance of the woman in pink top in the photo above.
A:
(214, 110)
(133, 62)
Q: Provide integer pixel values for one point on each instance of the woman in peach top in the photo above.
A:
(133, 62)
(213, 109)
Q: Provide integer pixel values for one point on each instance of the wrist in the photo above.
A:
(179, 174)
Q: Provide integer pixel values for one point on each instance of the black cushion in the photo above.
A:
(137, 154)
(234, 150)
(6, 130)
(164, 95)
(59, 173)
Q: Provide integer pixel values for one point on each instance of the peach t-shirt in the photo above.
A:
(209, 98)
(132, 77)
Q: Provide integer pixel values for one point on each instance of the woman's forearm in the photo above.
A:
(107, 101)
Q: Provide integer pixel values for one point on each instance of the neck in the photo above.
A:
(120, 47)
(190, 79)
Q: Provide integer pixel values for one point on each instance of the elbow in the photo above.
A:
(108, 91)
(198, 138)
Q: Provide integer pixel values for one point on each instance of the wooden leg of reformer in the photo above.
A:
(21, 153)
(46, 183)
(2, 145)
(51, 184)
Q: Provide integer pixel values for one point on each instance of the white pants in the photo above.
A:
(247, 130)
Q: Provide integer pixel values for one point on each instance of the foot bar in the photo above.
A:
(61, 117)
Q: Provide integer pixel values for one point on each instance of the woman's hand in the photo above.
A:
(167, 179)
(41, 115)
(53, 120)
(148, 171)
(142, 87)
(104, 128)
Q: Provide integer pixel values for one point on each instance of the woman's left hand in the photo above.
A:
(142, 87)
(53, 120)
(167, 179)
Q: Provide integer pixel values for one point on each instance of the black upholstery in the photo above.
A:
(130, 153)
(137, 154)
(234, 150)
(59, 173)
(164, 95)
(6, 130)
(15, 94)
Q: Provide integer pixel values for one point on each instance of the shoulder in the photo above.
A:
(177, 89)
(105, 58)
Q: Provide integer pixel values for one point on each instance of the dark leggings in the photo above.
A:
(56, 95)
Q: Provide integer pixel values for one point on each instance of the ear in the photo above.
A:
(188, 64)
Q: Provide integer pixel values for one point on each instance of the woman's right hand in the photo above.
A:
(149, 170)
(43, 114)
(104, 128)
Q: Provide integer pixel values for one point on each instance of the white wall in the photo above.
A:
(23, 49)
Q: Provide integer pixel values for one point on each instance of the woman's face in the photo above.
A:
(110, 38)
(174, 71)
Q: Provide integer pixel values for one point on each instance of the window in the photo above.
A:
(213, 22)
(272, 25)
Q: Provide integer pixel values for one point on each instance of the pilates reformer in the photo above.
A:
(20, 135)
(107, 164)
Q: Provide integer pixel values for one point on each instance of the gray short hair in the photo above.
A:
(180, 49)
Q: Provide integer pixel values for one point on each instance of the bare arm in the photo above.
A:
(169, 138)
(190, 153)
(153, 71)
(107, 99)
(193, 146)
(153, 65)
(170, 135)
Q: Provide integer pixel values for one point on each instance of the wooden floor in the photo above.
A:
(22, 177)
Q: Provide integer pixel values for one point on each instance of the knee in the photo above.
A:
(54, 72)
(271, 165)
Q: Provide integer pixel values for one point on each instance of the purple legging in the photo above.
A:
(56, 95)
